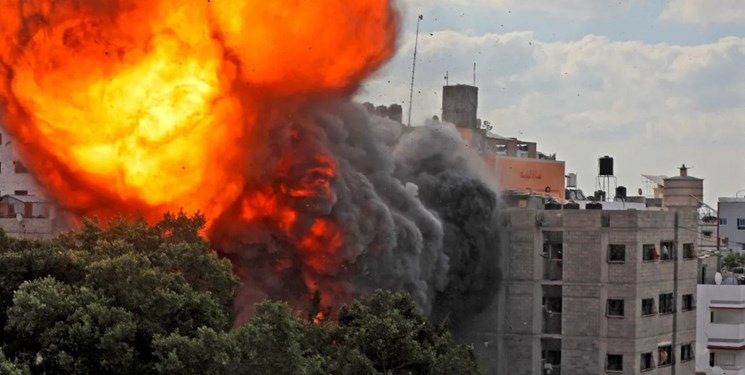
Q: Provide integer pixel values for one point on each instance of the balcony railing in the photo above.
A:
(723, 335)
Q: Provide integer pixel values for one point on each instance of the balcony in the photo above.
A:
(726, 336)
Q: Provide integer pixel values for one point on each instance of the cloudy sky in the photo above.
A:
(653, 83)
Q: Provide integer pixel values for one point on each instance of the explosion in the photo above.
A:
(240, 109)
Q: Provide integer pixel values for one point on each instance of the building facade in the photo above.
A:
(595, 292)
(24, 209)
(732, 224)
(720, 335)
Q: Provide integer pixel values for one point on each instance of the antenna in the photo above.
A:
(413, 68)
(447, 78)
(474, 74)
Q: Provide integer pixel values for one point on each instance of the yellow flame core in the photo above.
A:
(137, 98)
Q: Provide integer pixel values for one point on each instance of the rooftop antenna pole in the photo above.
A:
(474, 74)
(413, 67)
(447, 78)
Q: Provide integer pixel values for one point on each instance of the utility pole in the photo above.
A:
(413, 68)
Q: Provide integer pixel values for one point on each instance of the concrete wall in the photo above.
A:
(10, 180)
(588, 280)
(731, 211)
(459, 105)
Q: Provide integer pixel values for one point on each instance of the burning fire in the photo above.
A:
(149, 106)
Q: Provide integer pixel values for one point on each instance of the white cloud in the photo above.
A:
(652, 106)
(582, 9)
(704, 12)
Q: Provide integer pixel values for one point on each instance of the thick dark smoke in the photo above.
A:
(415, 210)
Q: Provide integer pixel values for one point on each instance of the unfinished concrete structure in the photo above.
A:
(24, 209)
(596, 291)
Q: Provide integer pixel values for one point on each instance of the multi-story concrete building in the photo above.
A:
(597, 291)
(720, 329)
(732, 223)
(24, 209)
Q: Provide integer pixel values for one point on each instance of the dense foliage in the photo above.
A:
(733, 260)
(132, 298)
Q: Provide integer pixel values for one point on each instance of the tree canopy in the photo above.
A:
(128, 297)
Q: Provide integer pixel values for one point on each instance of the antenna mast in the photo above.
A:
(474, 74)
(413, 68)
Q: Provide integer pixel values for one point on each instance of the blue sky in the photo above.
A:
(654, 83)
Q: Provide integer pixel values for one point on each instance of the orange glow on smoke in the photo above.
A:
(140, 106)
(137, 105)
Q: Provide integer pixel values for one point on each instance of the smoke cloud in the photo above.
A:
(413, 208)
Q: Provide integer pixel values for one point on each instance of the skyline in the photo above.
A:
(653, 84)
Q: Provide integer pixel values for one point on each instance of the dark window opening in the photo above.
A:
(19, 167)
(686, 352)
(667, 303)
(614, 362)
(688, 251)
(649, 252)
(647, 361)
(667, 250)
(20, 192)
(616, 253)
(615, 308)
(648, 307)
(707, 233)
(740, 224)
(723, 221)
(665, 355)
(688, 302)
(712, 359)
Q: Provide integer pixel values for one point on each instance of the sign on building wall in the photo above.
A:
(537, 175)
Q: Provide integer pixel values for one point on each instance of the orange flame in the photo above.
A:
(148, 106)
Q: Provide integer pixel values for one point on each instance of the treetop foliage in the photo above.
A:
(133, 298)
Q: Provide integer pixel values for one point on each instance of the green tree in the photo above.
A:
(733, 260)
(95, 300)
(384, 334)
(133, 298)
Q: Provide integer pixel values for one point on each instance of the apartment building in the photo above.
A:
(720, 332)
(597, 291)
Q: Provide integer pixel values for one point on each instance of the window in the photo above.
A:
(665, 354)
(667, 250)
(667, 303)
(19, 167)
(712, 359)
(689, 251)
(646, 361)
(616, 253)
(687, 302)
(686, 352)
(614, 362)
(648, 307)
(706, 233)
(20, 192)
(722, 221)
(649, 252)
(615, 308)
(740, 224)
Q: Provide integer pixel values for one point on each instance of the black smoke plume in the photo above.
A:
(415, 208)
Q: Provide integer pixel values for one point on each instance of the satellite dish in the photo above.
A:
(641, 192)
(718, 278)
(716, 370)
